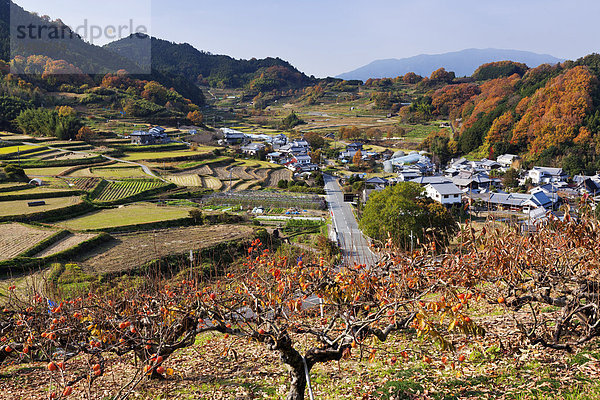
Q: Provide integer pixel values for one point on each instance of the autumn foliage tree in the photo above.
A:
(357, 158)
(309, 312)
(196, 117)
(287, 305)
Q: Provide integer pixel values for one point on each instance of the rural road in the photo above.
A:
(355, 246)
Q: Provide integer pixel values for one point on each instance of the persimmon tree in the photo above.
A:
(549, 280)
(281, 303)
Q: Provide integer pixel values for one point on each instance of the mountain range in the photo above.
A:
(463, 63)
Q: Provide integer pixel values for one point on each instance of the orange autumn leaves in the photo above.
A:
(552, 116)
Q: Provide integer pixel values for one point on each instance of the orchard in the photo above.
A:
(310, 313)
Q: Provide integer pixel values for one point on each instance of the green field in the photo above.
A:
(16, 149)
(20, 207)
(113, 172)
(33, 190)
(12, 185)
(138, 213)
(136, 156)
(121, 190)
(49, 171)
(193, 164)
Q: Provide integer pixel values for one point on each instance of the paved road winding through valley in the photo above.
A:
(355, 246)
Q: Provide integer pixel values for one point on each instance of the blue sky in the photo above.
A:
(328, 37)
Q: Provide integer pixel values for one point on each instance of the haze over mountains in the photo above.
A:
(463, 63)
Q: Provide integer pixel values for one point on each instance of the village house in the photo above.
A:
(472, 181)
(252, 149)
(351, 151)
(232, 137)
(539, 175)
(377, 182)
(279, 140)
(446, 193)
(589, 186)
(156, 135)
(511, 201)
(275, 157)
(433, 179)
(299, 147)
(406, 175)
(508, 161)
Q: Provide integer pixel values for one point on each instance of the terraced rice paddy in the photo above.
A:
(20, 207)
(134, 249)
(66, 243)
(188, 180)
(33, 191)
(49, 171)
(231, 177)
(157, 155)
(86, 184)
(113, 172)
(138, 213)
(16, 238)
(121, 190)
(16, 149)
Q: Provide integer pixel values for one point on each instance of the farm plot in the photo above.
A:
(240, 176)
(242, 173)
(157, 155)
(121, 190)
(188, 180)
(16, 238)
(34, 191)
(212, 182)
(85, 184)
(277, 175)
(222, 173)
(135, 249)
(13, 186)
(49, 171)
(204, 170)
(118, 172)
(20, 207)
(253, 198)
(66, 243)
(139, 213)
(10, 150)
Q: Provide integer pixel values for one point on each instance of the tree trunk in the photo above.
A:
(293, 361)
(298, 383)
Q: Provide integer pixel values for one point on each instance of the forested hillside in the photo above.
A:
(79, 56)
(549, 114)
(215, 70)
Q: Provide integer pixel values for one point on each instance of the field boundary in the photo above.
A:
(22, 264)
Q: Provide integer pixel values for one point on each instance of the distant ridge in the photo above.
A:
(463, 63)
